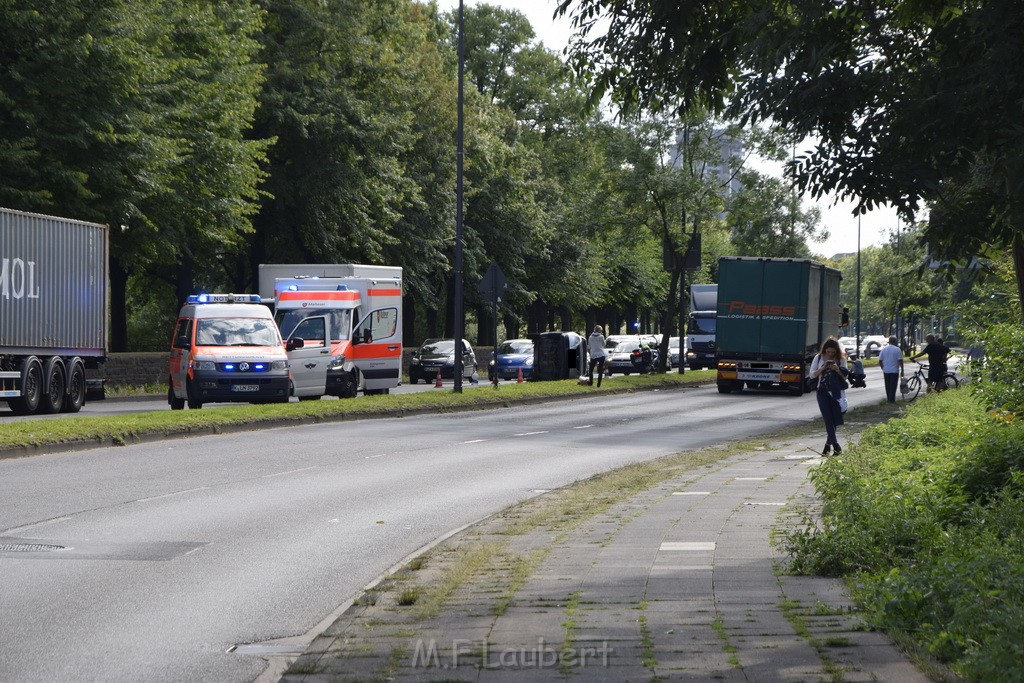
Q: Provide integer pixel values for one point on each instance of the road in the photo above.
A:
(177, 551)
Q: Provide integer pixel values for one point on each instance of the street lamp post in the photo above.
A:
(459, 322)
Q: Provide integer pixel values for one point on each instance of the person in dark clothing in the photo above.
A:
(829, 369)
(937, 353)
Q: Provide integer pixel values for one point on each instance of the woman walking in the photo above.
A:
(830, 371)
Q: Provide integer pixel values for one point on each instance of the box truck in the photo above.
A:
(700, 326)
(53, 310)
(773, 315)
(342, 324)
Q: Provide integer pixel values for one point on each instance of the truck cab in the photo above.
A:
(342, 334)
(226, 347)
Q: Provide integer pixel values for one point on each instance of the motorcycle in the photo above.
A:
(644, 359)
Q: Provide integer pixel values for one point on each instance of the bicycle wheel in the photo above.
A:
(950, 380)
(913, 388)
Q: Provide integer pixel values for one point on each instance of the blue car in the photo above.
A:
(513, 355)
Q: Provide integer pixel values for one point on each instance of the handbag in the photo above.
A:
(844, 405)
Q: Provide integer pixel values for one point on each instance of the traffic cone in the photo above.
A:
(437, 384)
(519, 379)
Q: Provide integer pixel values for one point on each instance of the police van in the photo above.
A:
(226, 347)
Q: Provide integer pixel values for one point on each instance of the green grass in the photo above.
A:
(925, 517)
(122, 429)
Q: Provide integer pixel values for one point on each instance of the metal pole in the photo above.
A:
(857, 330)
(459, 321)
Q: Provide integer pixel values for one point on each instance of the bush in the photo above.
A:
(925, 515)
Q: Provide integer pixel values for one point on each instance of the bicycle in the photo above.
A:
(919, 379)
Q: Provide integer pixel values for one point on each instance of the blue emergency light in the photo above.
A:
(224, 299)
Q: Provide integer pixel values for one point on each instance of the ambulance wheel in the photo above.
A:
(31, 388)
(75, 398)
(349, 385)
(175, 402)
(53, 387)
(309, 398)
(194, 403)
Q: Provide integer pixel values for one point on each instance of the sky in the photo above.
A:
(838, 218)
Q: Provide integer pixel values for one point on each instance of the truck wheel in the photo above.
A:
(194, 402)
(53, 387)
(31, 387)
(175, 402)
(75, 398)
(725, 387)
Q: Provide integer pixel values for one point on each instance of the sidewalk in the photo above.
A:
(677, 582)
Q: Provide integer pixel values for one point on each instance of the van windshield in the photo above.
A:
(237, 332)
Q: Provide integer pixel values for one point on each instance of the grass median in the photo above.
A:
(124, 429)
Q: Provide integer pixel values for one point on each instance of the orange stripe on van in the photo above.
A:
(384, 292)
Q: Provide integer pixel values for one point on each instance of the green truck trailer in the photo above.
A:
(773, 315)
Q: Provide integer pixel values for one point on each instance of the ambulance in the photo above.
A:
(226, 347)
(343, 334)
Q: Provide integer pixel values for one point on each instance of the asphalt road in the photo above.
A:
(175, 552)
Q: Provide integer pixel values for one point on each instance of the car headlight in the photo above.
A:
(415, 361)
(279, 365)
(204, 365)
(337, 363)
(528, 361)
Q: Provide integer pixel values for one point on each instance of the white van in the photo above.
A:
(226, 347)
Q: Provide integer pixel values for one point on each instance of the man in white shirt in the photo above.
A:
(598, 354)
(891, 360)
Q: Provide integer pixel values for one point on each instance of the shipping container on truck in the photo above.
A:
(773, 316)
(53, 310)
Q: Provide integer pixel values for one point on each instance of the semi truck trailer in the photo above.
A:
(53, 310)
(773, 315)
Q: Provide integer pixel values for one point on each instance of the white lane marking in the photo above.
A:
(687, 546)
(530, 433)
(691, 493)
(374, 457)
(751, 478)
(583, 427)
(301, 469)
(475, 441)
(169, 495)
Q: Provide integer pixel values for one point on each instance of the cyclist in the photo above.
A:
(937, 353)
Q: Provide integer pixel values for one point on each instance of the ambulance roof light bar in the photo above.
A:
(224, 299)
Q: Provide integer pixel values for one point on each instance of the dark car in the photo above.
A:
(513, 355)
(439, 354)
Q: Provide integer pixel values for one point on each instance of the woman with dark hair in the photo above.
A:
(829, 369)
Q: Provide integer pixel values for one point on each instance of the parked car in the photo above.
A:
(849, 345)
(619, 359)
(439, 354)
(673, 351)
(513, 355)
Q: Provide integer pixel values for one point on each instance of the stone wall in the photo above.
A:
(151, 368)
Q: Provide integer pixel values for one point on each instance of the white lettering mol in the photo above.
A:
(17, 281)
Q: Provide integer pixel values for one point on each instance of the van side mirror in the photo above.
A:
(295, 343)
(182, 343)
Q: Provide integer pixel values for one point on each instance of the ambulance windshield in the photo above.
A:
(236, 332)
(340, 320)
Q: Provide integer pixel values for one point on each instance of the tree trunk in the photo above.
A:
(118, 306)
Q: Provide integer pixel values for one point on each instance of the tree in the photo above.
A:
(912, 103)
(766, 219)
(131, 114)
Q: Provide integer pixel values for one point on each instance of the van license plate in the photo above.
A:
(245, 387)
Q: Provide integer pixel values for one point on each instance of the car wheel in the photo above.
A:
(194, 402)
(175, 402)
